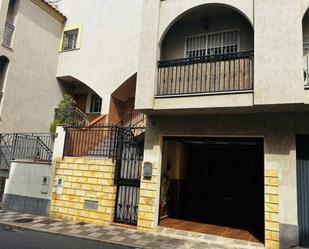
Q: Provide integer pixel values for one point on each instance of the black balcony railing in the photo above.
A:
(206, 74)
(8, 34)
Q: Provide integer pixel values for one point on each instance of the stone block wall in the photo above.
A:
(84, 179)
(147, 203)
(271, 209)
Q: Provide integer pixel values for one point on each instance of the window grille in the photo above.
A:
(223, 42)
(70, 39)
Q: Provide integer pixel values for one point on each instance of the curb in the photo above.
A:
(14, 225)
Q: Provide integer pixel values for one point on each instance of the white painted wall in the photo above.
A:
(58, 143)
(26, 179)
(109, 44)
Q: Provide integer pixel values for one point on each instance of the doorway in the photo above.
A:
(214, 185)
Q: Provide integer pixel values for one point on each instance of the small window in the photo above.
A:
(96, 104)
(70, 39)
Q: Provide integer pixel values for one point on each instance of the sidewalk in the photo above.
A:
(165, 239)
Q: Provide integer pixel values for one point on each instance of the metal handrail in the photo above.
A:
(132, 119)
(75, 117)
(24, 146)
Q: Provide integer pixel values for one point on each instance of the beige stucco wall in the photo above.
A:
(109, 44)
(278, 62)
(278, 59)
(278, 131)
(31, 91)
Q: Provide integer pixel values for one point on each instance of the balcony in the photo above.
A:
(211, 74)
(8, 34)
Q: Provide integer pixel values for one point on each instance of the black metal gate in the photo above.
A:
(129, 157)
(302, 156)
(2, 185)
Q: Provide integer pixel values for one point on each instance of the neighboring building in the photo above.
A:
(29, 90)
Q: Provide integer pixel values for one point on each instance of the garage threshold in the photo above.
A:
(202, 230)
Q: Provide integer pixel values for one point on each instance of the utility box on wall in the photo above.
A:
(148, 170)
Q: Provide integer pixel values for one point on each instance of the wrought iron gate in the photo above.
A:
(129, 156)
(2, 185)
(302, 156)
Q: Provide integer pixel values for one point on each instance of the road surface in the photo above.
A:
(14, 238)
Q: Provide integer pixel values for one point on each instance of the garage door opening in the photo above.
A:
(214, 186)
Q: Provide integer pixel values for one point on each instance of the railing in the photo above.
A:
(71, 117)
(96, 141)
(206, 74)
(22, 146)
(8, 34)
(90, 141)
(134, 119)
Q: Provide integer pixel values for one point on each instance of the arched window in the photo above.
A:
(9, 23)
(306, 47)
(4, 62)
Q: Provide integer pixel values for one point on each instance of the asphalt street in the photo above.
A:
(14, 238)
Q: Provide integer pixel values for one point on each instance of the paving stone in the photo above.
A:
(240, 242)
(73, 226)
(93, 229)
(55, 228)
(113, 233)
(75, 231)
(117, 238)
(38, 225)
(135, 236)
(95, 235)
(164, 238)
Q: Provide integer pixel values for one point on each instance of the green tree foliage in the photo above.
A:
(64, 113)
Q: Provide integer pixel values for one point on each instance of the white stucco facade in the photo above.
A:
(109, 46)
(278, 63)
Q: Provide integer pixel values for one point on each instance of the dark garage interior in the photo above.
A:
(214, 185)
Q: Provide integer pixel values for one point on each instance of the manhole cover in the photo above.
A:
(25, 220)
(48, 222)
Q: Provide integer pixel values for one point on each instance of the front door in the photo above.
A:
(81, 102)
(302, 156)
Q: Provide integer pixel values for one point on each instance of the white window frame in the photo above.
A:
(211, 33)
